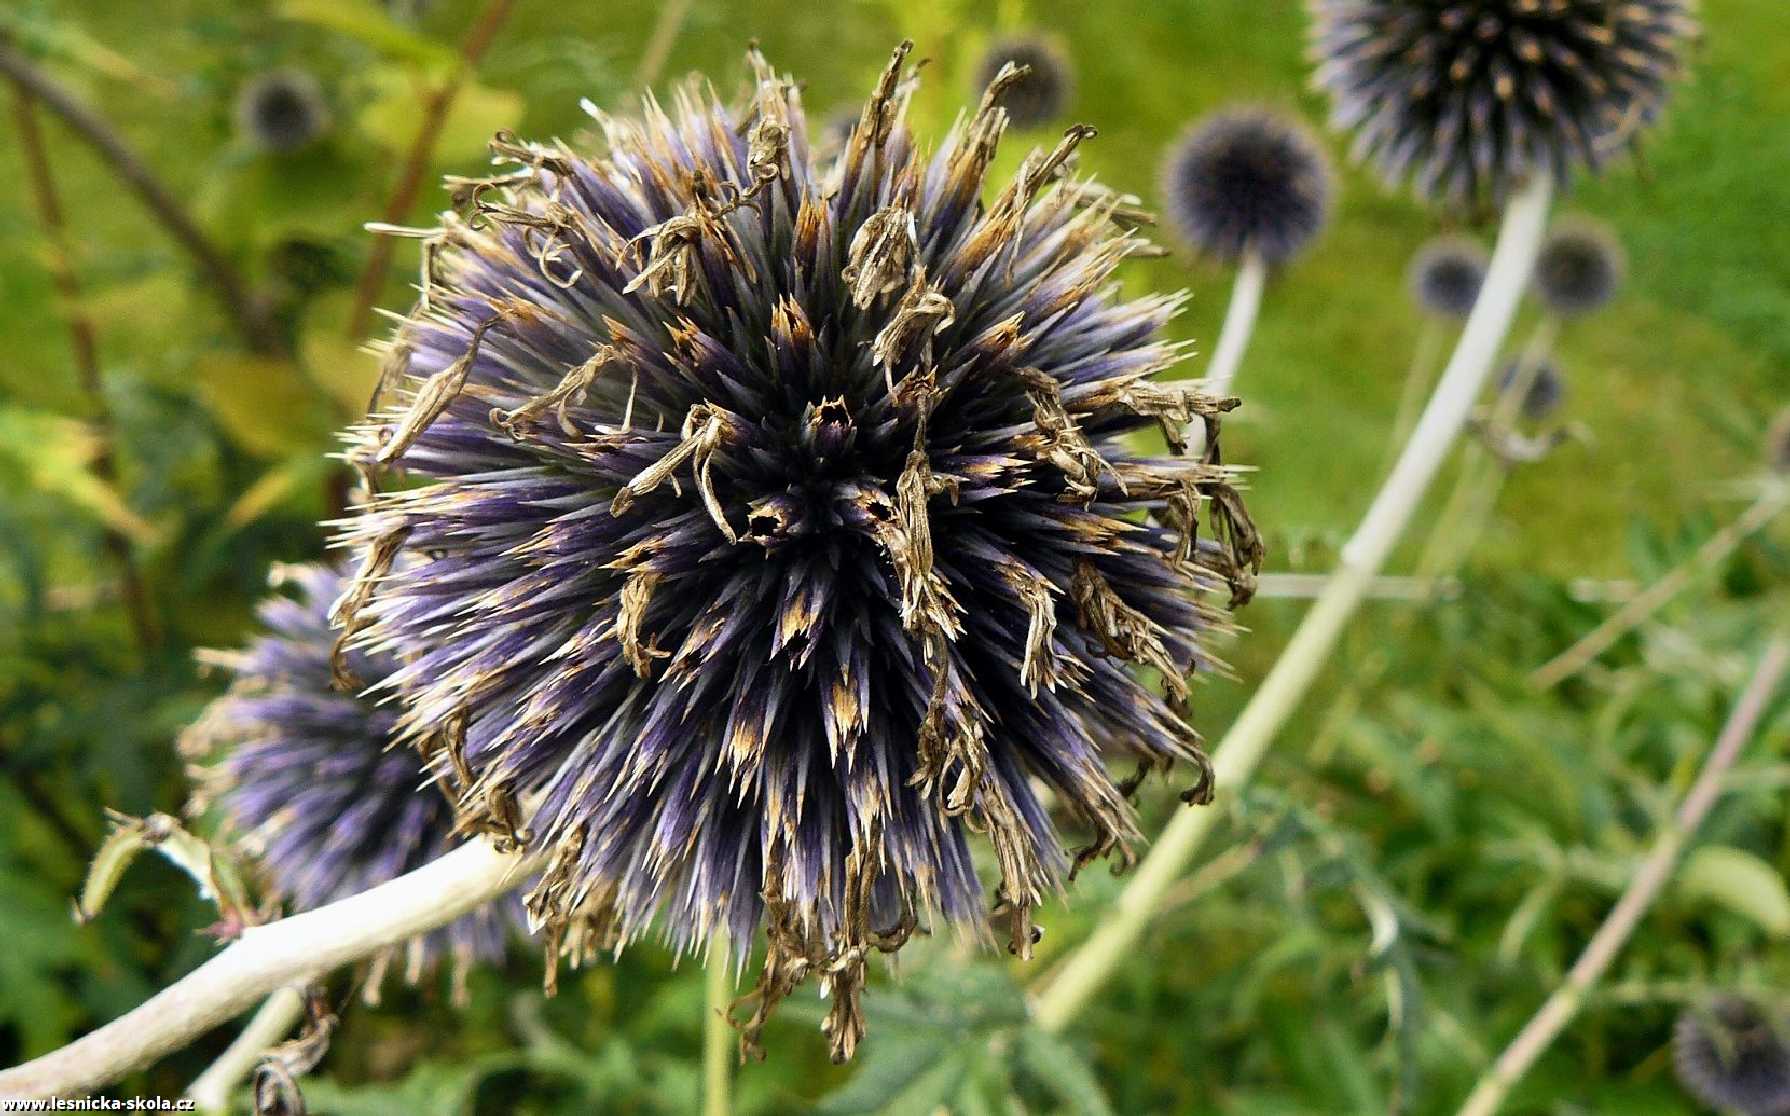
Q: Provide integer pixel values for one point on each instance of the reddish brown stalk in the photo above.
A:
(416, 163)
(248, 313)
(60, 261)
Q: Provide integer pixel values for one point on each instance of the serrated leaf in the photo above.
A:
(1738, 880)
(477, 113)
(1059, 1067)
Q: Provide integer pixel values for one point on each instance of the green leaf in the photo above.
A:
(55, 454)
(476, 114)
(1060, 1068)
(265, 405)
(894, 1066)
(366, 22)
(1740, 881)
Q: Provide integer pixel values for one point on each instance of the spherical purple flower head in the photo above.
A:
(1735, 1055)
(310, 777)
(1468, 98)
(1042, 93)
(1579, 268)
(1547, 388)
(1446, 274)
(281, 111)
(1247, 179)
(776, 524)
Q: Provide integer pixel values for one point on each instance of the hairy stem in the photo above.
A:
(279, 1013)
(433, 116)
(717, 1032)
(1650, 600)
(1239, 322)
(1662, 858)
(293, 950)
(247, 311)
(84, 342)
(1242, 748)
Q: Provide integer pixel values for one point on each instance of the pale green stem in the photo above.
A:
(717, 1032)
(672, 14)
(1650, 600)
(1417, 382)
(1242, 748)
(279, 1013)
(1652, 875)
(1239, 322)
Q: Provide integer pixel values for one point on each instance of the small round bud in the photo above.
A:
(1042, 94)
(1547, 389)
(281, 111)
(1247, 179)
(1733, 1055)
(1446, 275)
(1579, 269)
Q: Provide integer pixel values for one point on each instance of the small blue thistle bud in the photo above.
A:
(1734, 1055)
(772, 522)
(1547, 388)
(1041, 94)
(1247, 179)
(281, 111)
(1468, 98)
(1446, 274)
(1579, 269)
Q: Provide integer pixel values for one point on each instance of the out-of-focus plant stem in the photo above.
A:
(415, 168)
(1652, 875)
(85, 346)
(279, 1013)
(1242, 749)
(1239, 323)
(1644, 604)
(672, 14)
(246, 310)
(717, 1033)
(293, 950)
(1417, 382)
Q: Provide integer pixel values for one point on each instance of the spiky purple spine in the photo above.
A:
(310, 779)
(775, 525)
(1468, 98)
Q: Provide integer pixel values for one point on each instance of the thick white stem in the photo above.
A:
(293, 950)
(1239, 323)
(1242, 748)
(211, 1090)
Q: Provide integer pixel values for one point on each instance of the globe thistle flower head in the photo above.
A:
(771, 523)
(281, 111)
(1579, 268)
(309, 780)
(1469, 98)
(1446, 275)
(1041, 93)
(1546, 391)
(1247, 180)
(1735, 1055)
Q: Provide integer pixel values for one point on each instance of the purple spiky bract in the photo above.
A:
(1468, 98)
(309, 780)
(1734, 1054)
(773, 524)
(1247, 179)
(1446, 274)
(1042, 94)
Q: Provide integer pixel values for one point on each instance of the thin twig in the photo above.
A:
(294, 950)
(280, 1012)
(1545, 1025)
(434, 115)
(244, 308)
(1650, 600)
(672, 14)
(86, 353)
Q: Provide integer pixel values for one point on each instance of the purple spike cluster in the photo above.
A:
(1470, 97)
(769, 527)
(310, 780)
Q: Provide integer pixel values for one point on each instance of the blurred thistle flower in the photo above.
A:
(774, 524)
(1579, 269)
(1777, 443)
(309, 780)
(281, 111)
(1446, 274)
(1547, 387)
(1042, 93)
(1469, 97)
(1734, 1055)
(1247, 179)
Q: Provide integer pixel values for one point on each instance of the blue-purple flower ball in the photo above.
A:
(1546, 390)
(1040, 95)
(1247, 180)
(1446, 275)
(1579, 268)
(1734, 1054)
(281, 111)
(774, 522)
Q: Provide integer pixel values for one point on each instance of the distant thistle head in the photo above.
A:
(773, 522)
(310, 782)
(1468, 98)
(1041, 94)
(281, 111)
(1547, 388)
(1734, 1055)
(1247, 178)
(1446, 274)
(1579, 269)
(1777, 443)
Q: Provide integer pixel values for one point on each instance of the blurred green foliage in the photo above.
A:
(1433, 842)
